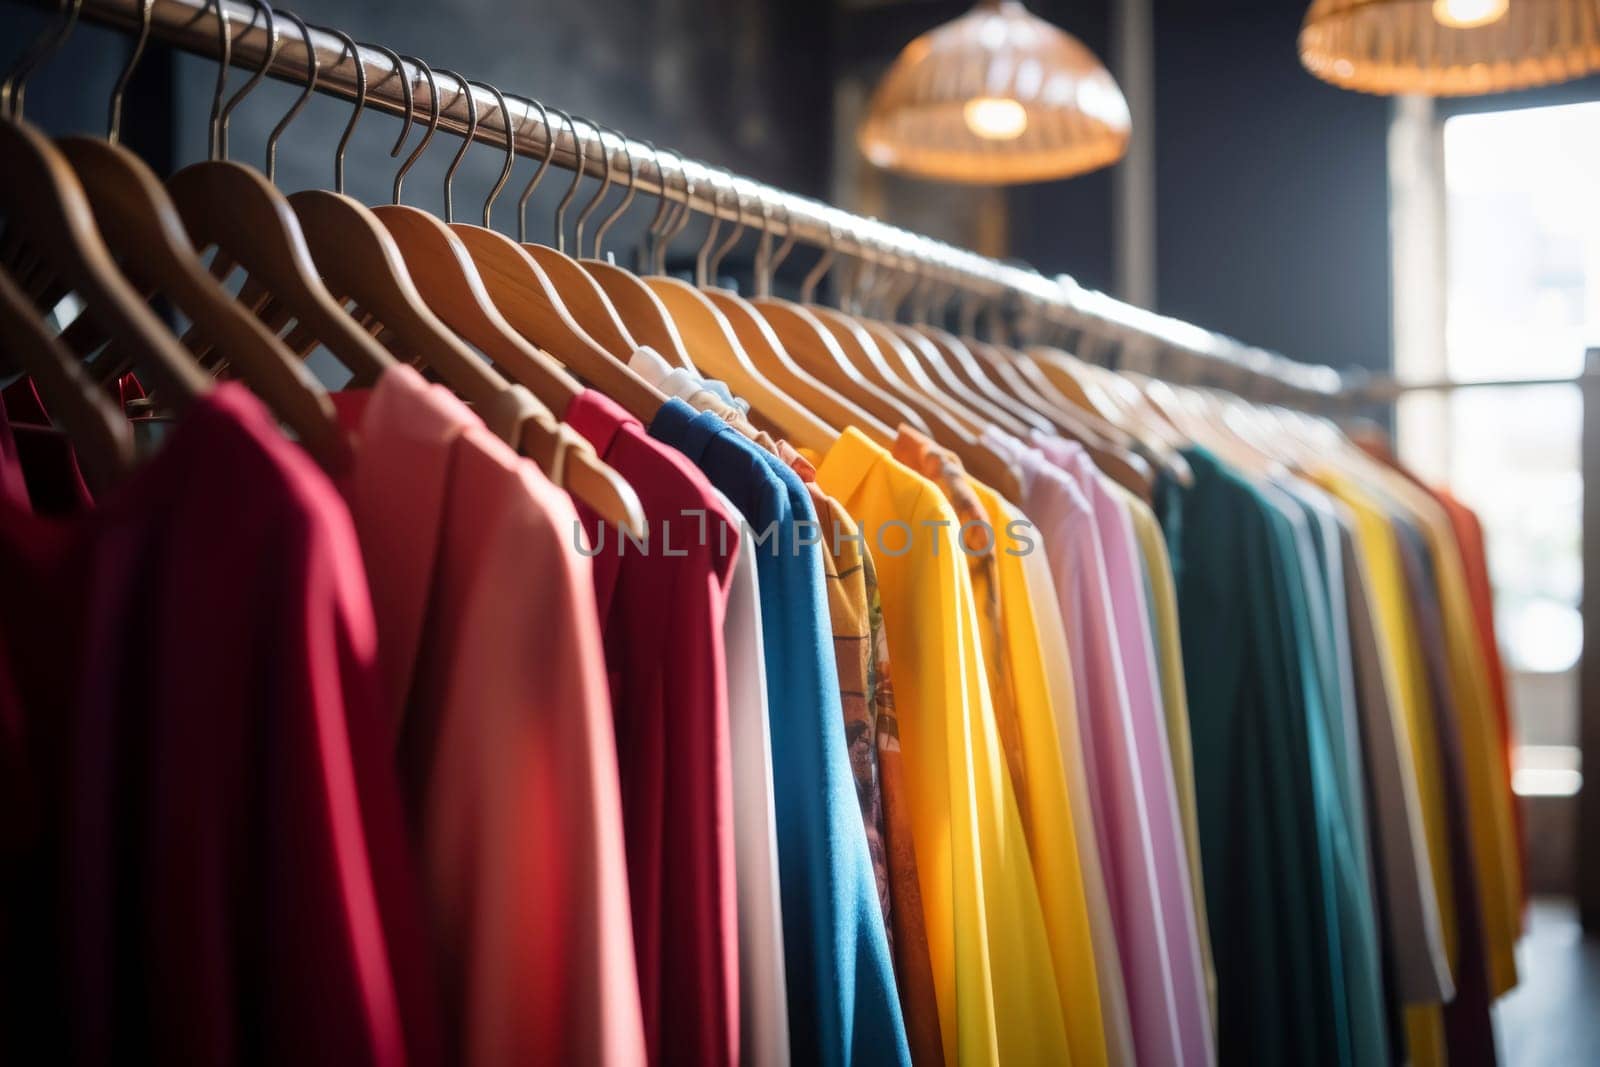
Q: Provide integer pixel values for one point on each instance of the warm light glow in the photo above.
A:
(995, 118)
(1466, 14)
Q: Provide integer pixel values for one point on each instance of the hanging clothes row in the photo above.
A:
(602, 666)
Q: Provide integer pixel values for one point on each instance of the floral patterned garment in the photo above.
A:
(978, 537)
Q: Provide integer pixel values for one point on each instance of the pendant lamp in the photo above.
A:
(1450, 47)
(995, 97)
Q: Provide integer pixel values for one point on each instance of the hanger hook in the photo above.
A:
(313, 71)
(911, 278)
(427, 134)
(405, 91)
(922, 289)
(348, 44)
(43, 47)
(466, 141)
(538, 175)
(114, 118)
(680, 218)
(594, 201)
(714, 264)
(813, 278)
(224, 60)
(511, 149)
(650, 240)
(580, 145)
(775, 259)
(951, 285)
(703, 255)
(761, 278)
(970, 299)
(265, 11)
(627, 199)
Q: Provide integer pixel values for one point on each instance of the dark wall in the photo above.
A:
(1272, 188)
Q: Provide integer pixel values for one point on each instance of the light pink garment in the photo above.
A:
(504, 730)
(1173, 897)
(1135, 818)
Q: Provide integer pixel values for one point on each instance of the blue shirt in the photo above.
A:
(843, 1006)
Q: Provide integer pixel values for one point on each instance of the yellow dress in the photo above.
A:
(993, 973)
(1053, 841)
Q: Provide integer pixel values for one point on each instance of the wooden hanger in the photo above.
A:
(361, 263)
(439, 265)
(1112, 449)
(1105, 398)
(1069, 376)
(516, 286)
(636, 304)
(853, 348)
(582, 295)
(53, 246)
(102, 438)
(818, 346)
(952, 429)
(450, 287)
(969, 373)
(934, 356)
(721, 354)
(869, 361)
(237, 210)
(955, 428)
(767, 348)
(143, 229)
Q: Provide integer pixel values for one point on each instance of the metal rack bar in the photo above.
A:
(192, 26)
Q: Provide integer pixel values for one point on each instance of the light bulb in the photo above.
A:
(1468, 14)
(995, 118)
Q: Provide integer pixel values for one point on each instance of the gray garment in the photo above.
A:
(1413, 932)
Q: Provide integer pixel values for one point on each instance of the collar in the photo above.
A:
(848, 462)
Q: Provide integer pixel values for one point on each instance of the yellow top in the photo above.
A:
(1053, 841)
(993, 973)
(1175, 702)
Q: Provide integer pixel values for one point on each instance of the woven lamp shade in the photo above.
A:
(1409, 46)
(995, 97)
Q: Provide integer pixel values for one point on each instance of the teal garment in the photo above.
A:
(1355, 971)
(1265, 779)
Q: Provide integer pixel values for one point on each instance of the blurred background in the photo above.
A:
(1433, 239)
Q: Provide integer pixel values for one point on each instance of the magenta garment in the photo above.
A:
(1088, 539)
(662, 615)
(202, 854)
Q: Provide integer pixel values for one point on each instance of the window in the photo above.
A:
(1521, 264)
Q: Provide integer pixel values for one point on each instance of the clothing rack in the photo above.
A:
(1168, 346)
(1165, 346)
